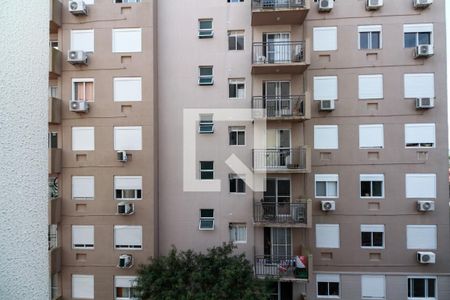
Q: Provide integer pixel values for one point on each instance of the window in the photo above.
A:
(325, 38)
(327, 185)
(82, 187)
(236, 40)
(237, 135)
(327, 236)
(370, 86)
(238, 233)
(328, 285)
(128, 138)
(206, 219)
(127, 237)
(420, 135)
(372, 236)
(206, 124)
(372, 185)
(325, 88)
(82, 236)
(419, 85)
(326, 137)
(126, 40)
(82, 286)
(423, 288)
(83, 89)
(373, 286)
(235, 1)
(421, 237)
(127, 89)
(125, 287)
(206, 75)
(82, 40)
(127, 1)
(83, 139)
(369, 37)
(206, 170)
(417, 34)
(205, 29)
(420, 185)
(237, 183)
(128, 187)
(371, 136)
(236, 88)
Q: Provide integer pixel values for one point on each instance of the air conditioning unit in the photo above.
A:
(79, 106)
(122, 156)
(327, 105)
(426, 257)
(125, 261)
(374, 4)
(326, 5)
(78, 7)
(77, 57)
(328, 205)
(425, 205)
(422, 3)
(125, 208)
(423, 51)
(424, 103)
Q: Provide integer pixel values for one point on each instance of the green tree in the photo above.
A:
(187, 275)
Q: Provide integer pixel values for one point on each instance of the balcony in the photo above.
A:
(54, 160)
(54, 110)
(55, 63)
(55, 15)
(284, 268)
(280, 58)
(55, 260)
(279, 12)
(281, 107)
(293, 215)
(286, 160)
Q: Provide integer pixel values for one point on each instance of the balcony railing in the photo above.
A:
(278, 52)
(278, 4)
(292, 267)
(296, 213)
(280, 106)
(280, 159)
(55, 63)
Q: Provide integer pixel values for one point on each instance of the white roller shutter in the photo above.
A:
(127, 40)
(326, 137)
(420, 133)
(128, 138)
(82, 40)
(125, 281)
(327, 278)
(83, 187)
(327, 236)
(370, 86)
(82, 286)
(83, 139)
(325, 38)
(373, 286)
(421, 237)
(371, 136)
(419, 85)
(82, 235)
(325, 88)
(128, 89)
(420, 186)
(128, 182)
(128, 236)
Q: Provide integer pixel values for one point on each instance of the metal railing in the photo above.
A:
(280, 213)
(279, 266)
(53, 191)
(280, 106)
(278, 52)
(278, 4)
(283, 158)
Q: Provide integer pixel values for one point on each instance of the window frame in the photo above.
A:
(420, 144)
(209, 31)
(370, 29)
(319, 146)
(372, 231)
(202, 78)
(132, 29)
(208, 219)
(328, 281)
(236, 178)
(206, 124)
(83, 246)
(374, 80)
(418, 175)
(361, 128)
(235, 83)
(91, 31)
(79, 276)
(329, 80)
(83, 81)
(91, 131)
(371, 185)
(136, 191)
(383, 277)
(124, 79)
(426, 278)
(202, 171)
(236, 35)
(417, 29)
(327, 178)
(119, 129)
(336, 228)
(236, 130)
(412, 246)
(128, 247)
(237, 226)
(85, 177)
(332, 43)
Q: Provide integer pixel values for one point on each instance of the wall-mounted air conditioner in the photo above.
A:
(328, 205)
(125, 261)
(426, 257)
(77, 7)
(79, 106)
(77, 57)
(424, 103)
(122, 156)
(424, 50)
(326, 5)
(374, 4)
(425, 205)
(327, 105)
(125, 208)
(422, 3)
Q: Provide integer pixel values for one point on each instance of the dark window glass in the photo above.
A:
(321, 188)
(366, 239)
(240, 43)
(424, 38)
(241, 185)
(365, 189)
(375, 40)
(364, 40)
(205, 71)
(207, 213)
(418, 287)
(334, 288)
(138, 193)
(233, 138)
(410, 39)
(231, 43)
(233, 185)
(431, 287)
(232, 91)
(377, 188)
(322, 288)
(378, 239)
(118, 194)
(241, 138)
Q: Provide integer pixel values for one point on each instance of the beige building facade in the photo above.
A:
(355, 201)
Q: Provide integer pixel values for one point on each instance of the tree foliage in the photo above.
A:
(188, 275)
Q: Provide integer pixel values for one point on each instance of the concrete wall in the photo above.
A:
(23, 132)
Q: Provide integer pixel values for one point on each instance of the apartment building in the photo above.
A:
(353, 94)
(102, 146)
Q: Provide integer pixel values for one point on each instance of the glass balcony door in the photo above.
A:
(278, 148)
(277, 197)
(277, 47)
(277, 244)
(277, 96)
